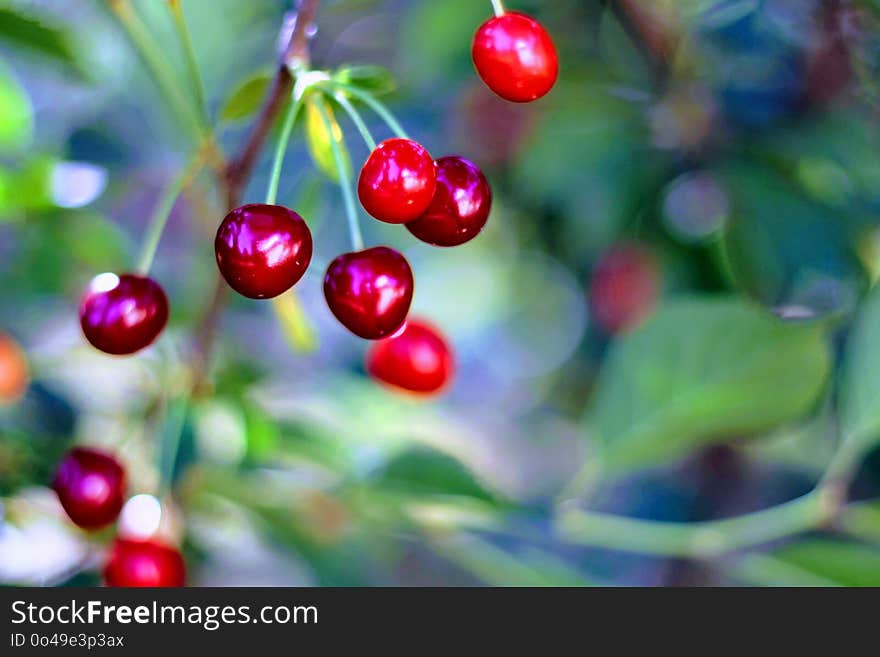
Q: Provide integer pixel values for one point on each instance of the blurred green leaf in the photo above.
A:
(319, 139)
(246, 98)
(262, 433)
(844, 564)
(424, 471)
(30, 33)
(375, 79)
(16, 116)
(860, 386)
(699, 372)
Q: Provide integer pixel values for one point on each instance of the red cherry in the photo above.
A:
(123, 314)
(515, 57)
(370, 291)
(263, 250)
(624, 288)
(460, 206)
(90, 485)
(144, 563)
(397, 181)
(417, 359)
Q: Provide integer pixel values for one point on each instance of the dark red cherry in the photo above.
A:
(397, 181)
(90, 485)
(144, 563)
(460, 206)
(263, 250)
(624, 288)
(121, 314)
(370, 291)
(515, 57)
(417, 359)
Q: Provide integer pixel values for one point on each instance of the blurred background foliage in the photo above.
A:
(734, 143)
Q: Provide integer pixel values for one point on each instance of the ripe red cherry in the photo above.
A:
(417, 359)
(625, 287)
(515, 57)
(90, 485)
(370, 291)
(262, 250)
(460, 206)
(397, 181)
(121, 314)
(144, 563)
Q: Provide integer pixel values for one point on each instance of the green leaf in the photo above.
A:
(424, 471)
(844, 564)
(375, 79)
(246, 98)
(16, 116)
(319, 139)
(31, 33)
(860, 387)
(701, 371)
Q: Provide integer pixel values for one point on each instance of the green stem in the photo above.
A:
(154, 59)
(497, 7)
(356, 118)
(700, 540)
(191, 64)
(281, 148)
(357, 240)
(368, 99)
(159, 219)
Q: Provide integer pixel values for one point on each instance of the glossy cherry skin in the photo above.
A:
(263, 250)
(460, 206)
(624, 288)
(90, 485)
(515, 57)
(417, 359)
(370, 291)
(122, 314)
(397, 181)
(144, 563)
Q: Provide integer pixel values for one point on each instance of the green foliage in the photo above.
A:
(375, 79)
(30, 33)
(703, 371)
(16, 117)
(246, 98)
(839, 563)
(860, 387)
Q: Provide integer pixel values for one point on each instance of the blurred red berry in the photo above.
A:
(397, 181)
(144, 563)
(90, 485)
(370, 291)
(122, 314)
(460, 206)
(417, 359)
(624, 288)
(263, 250)
(14, 371)
(515, 57)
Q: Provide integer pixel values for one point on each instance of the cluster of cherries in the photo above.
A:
(263, 250)
(91, 486)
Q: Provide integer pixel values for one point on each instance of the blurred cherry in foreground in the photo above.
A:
(134, 563)
(417, 359)
(90, 485)
(14, 374)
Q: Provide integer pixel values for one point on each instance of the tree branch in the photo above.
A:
(294, 56)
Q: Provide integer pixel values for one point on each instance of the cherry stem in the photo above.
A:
(369, 100)
(497, 7)
(190, 57)
(153, 57)
(356, 118)
(357, 240)
(281, 148)
(159, 219)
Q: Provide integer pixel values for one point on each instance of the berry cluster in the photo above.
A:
(263, 250)
(91, 486)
